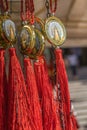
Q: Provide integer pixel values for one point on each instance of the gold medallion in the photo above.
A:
(55, 31)
(7, 31)
(27, 39)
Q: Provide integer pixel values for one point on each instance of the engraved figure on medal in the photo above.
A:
(9, 30)
(55, 31)
(25, 38)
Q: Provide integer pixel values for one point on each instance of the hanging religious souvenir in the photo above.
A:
(35, 48)
(7, 27)
(18, 103)
(27, 34)
(34, 108)
(54, 28)
(56, 35)
(7, 37)
(40, 41)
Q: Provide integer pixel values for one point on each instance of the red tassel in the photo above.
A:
(63, 83)
(50, 120)
(18, 114)
(3, 87)
(74, 124)
(34, 106)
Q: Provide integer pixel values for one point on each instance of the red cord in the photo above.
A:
(53, 10)
(25, 14)
(28, 13)
(22, 11)
(4, 5)
(31, 8)
(27, 7)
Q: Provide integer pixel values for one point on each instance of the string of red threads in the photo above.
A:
(28, 13)
(53, 10)
(4, 5)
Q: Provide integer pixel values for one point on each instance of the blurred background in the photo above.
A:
(73, 14)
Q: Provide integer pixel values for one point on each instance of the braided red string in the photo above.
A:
(53, 10)
(25, 14)
(22, 11)
(4, 5)
(31, 8)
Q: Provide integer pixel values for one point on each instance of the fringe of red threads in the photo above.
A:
(18, 113)
(62, 80)
(74, 124)
(3, 95)
(34, 106)
(50, 120)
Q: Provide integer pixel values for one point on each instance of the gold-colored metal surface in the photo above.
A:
(39, 45)
(55, 31)
(7, 31)
(27, 39)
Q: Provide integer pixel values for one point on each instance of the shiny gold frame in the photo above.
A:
(53, 41)
(6, 41)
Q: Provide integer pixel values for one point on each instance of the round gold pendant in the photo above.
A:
(27, 39)
(39, 45)
(55, 31)
(7, 31)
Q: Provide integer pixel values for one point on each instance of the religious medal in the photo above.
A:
(27, 34)
(38, 25)
(8, 31)
(32, 39)
(7, 27)
(27, 39)
(55, 31)
(54, 28)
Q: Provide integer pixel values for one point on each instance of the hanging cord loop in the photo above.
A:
(53, 10)
(24, 10)
(3, 6)
(32, 9)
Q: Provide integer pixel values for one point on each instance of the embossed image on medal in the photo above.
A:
(9, 30)
(55, 31)
(27, 39)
